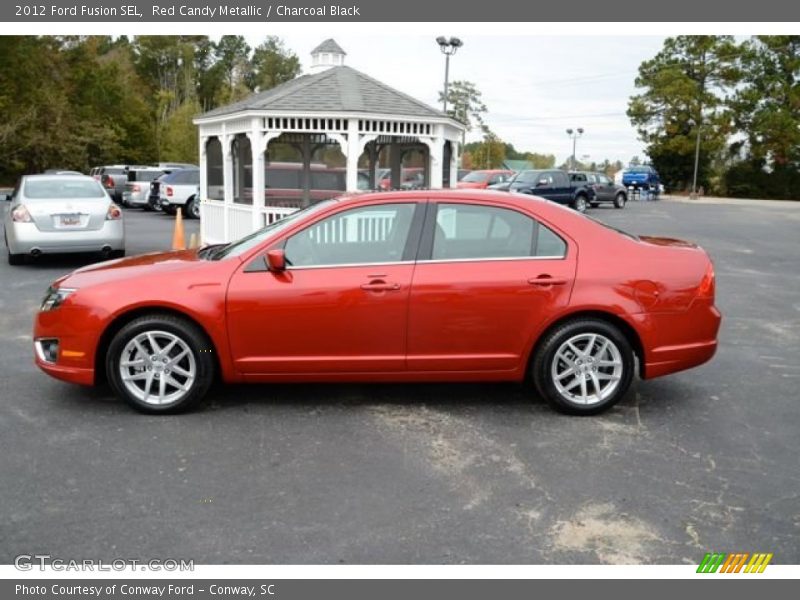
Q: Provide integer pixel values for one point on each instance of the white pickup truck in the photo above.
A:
(181, 190)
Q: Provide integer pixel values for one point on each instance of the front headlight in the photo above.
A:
(55, 297)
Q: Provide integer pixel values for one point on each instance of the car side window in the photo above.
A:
(549, 244)
(469, 231)
(561, 180)
(364, 235)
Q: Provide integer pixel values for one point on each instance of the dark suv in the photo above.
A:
(551, 184)
(605, 190)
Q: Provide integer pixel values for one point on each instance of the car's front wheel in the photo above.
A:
(583, 367)
(620, 200)
(580, 204)
(160, 364)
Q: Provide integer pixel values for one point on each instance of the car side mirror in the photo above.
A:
(275, 260)
(542, 183)
(7, 197)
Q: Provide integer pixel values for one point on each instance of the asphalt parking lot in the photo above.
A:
(698, 461)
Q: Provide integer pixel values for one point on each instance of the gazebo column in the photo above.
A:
(372, 148)
(435, 152)
(203, 181)
(227, 180)
(454, 151)
(257, 155)
(352, 152)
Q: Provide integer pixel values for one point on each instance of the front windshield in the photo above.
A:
(476, 177)
(527, 177)
(254, 239)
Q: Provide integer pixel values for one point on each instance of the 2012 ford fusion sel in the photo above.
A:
(451, 285)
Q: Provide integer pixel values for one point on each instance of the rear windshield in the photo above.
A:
(476, 177)
(144, 175)
(607, 226)
(639, 170)
(112, 171)
(67, 187)
(527, 176)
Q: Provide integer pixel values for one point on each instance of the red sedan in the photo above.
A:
(404, 286)
(480, 180)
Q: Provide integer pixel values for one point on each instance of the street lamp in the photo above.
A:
(448, 48)
(574, 134)
(693, 195)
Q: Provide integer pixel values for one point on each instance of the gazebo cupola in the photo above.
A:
(334, 130)
(328, 54)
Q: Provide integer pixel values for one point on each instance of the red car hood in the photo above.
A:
(149, 265)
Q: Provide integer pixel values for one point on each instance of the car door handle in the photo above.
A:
(546, 280)
(380, 286)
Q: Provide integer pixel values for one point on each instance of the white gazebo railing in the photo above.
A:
(217, 215)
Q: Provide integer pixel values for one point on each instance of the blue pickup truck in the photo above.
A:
(641, 178)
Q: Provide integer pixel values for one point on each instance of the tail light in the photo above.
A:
(20, 214)
(135, 189)
(708, 285)
(169, 191)
(109, 182)
(113, 213)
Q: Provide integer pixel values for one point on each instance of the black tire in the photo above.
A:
(117, 254)
(148, 207)
(580, 203)
(169, 210)
(191, 210)
(619, 200)
(546, 361)
(192, 339)
(594, 204)
(16, 259)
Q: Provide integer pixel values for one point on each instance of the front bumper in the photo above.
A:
(23, 238)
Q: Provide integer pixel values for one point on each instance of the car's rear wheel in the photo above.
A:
(15, 259)
(580, 204)
(594, 204)
(620, 200)
(583, 367)
(191, 209)
(160, 364)
(170, 210)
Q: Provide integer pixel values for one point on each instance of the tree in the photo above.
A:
(488, 154)
(541, 161)
(683, 96)
(233, 61)
(464, 103)
(272, 64)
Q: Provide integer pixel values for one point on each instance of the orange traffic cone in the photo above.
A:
(178, 238)
(193, 242)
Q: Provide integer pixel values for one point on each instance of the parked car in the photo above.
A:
(463, 173)
(551, 184)
(484, 178)
(171, 166)
(112, 178)
(137, 188)
(378, 287)
(178, 191)
(411, 178)
(641, 178)
(53, 214)
(61, 172)
(605, 190)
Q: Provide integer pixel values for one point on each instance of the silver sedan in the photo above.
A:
(59, 214)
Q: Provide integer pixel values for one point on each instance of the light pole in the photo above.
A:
(448, 48)
(574, 134)
(696, 161)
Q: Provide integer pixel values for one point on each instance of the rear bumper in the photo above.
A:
(23, 238)
(675, 342)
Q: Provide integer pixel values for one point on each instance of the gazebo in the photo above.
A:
(334, 130)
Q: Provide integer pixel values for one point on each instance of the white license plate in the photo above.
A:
(70, 220)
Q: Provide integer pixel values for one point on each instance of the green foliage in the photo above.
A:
(78, 101)
(465, 104)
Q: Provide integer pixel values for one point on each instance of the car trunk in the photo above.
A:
(65, 216)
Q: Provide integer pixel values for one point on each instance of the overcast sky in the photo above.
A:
(534, 87)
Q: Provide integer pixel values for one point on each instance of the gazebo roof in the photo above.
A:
(337, 89)
(330, 46)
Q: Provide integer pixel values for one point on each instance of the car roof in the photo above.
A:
(49, 176)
